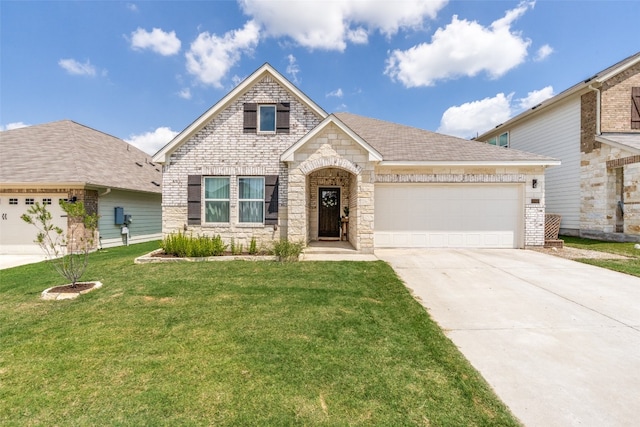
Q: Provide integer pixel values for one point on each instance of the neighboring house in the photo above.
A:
(266, 162)
(66, 160)
(594, 129)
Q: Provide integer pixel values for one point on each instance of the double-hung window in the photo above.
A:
(251, 199)
(267, 118)
(216, 199)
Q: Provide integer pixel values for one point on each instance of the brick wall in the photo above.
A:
(221, 148)
(616, 101)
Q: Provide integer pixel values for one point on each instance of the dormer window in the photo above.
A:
(267, 118)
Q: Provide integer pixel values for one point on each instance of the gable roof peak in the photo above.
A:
(239, 90)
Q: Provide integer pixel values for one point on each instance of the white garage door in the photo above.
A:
(448, 216)
(16, 236)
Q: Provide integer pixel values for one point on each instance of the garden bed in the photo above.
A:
(159, 256)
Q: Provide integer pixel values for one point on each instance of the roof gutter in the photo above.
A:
(549, 162)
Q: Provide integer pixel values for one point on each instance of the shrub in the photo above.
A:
(77, 243)
(287, 251)
(253, 246)
(181, 245)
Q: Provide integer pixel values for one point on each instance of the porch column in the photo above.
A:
(297, 221)
(365, 213)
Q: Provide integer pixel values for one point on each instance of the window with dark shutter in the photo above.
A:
(250, 118)
(635, 108)
(271, 199)
(194, 195)
(282, 120)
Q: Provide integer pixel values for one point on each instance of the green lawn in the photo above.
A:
(231, 343)
(630, 266)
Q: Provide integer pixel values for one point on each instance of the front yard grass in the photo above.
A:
(628, 266)
(231, 343)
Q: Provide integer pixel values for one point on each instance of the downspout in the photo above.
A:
(597, 108)
(107, 191)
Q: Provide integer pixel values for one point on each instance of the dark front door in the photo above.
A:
(329, 212)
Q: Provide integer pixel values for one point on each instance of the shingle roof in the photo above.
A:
(404, 143)
(68, 152)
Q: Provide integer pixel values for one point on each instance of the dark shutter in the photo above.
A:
(194, 194)
(282, 118)
(635, 108)
(271, 199)
(250, 118)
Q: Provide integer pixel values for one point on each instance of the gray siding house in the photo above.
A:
(267, 162)
(594, 129)
(66, 160)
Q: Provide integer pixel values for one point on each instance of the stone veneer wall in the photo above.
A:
(597, 182)
(598, 188)
(533, 212)
(221, 148)
(331, 149)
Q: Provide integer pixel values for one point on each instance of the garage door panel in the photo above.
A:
(458, 215)
(16, 236)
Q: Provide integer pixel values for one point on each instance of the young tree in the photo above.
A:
(67, 253)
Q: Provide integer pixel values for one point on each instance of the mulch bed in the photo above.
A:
(69, 289)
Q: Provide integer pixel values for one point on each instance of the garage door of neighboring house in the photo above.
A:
(449, 216)
(16, 236)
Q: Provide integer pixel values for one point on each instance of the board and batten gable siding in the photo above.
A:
(556, 133)
(223, 148)
(144, 208)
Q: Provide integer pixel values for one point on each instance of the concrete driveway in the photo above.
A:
(559, 341)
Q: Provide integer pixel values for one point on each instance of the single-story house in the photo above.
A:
(267, 162)
(594, 129)
(66, 160)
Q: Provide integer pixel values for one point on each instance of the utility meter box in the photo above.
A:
(128, 219)
(119, 216)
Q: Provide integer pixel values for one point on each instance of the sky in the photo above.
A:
(145, 70)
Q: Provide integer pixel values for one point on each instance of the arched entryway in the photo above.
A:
(330, 204)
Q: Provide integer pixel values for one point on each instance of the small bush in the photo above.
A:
(181, 245)
(287, 251)
(253, 246)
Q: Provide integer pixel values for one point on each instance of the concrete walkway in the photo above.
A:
(559, 341)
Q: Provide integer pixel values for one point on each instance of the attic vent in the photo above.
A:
(158, 169)
(139, 164)
(155, 183)
(152, 164)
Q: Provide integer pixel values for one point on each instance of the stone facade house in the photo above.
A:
(66, 160)
(267, 162)
(594, 129)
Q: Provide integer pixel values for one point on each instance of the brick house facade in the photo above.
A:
(310, 166)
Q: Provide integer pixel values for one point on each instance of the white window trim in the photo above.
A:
(275, 118)
(251, 200)
(205, 200)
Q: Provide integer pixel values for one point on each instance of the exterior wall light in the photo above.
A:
(534, 183)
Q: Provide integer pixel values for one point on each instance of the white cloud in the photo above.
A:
(151, 142)
(293, 69)
(159, 41)
(330, 25)
(132, 7)
(185, 93)
(14, 125)
(74, 67)
(462, 48)
(210, 57)
(543, 52)
(535, 97)
(336, 93)
(471, 118)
